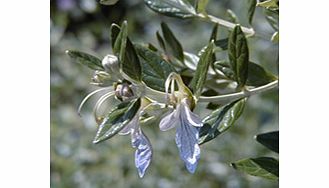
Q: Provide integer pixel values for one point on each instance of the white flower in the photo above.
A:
(143, 153)
(185, 121)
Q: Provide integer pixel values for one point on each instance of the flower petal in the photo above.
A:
(187, 142)
(169, 121)
(190, 117)
(143, 153)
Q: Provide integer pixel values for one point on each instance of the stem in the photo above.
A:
(161, 96)
(230, 25)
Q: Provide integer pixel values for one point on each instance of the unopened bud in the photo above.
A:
(111, 63)
(123, 91)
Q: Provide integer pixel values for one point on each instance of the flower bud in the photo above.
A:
(101, 78)
(111, 64)
(123, 91)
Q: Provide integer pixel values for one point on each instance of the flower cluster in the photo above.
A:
(180, 101)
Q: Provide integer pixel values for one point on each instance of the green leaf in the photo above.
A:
(213, 37)
(161, 41)
(173, 8)
(222, 43)
(221, 120)
(131, 65)
(114, 32)
(175, 47)
(201, 71)
(269, 4)
(86, 59)
(258, 76)
(269, 140)
(155, 69)
(225, 67)
(201, 6)
(108, 2)
(116, 120)
(251, 9)
(265, 167)
(238, 55)
(121, 42)
(275, 37)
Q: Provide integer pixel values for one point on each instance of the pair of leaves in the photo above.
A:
(124, 49)
(238, 55)
(201, 72)
(169, 43)
(265, 167)
(173, 8)
(221, 120)
(155, 68)
(85, 59)
(269, 4)
(116, 120)
(201, 6)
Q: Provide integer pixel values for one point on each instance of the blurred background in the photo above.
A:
(76, 162)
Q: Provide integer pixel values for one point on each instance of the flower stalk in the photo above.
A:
(223, 99)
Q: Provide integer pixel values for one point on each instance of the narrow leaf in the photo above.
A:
(86, 59)
(265, 167)
(131, 65)
(201, 71)
(239, 55)
(161, 41)
(114, 32)
(220, 120)
(155, 68)
(269, 140)
(116, 120)
(258, 76)
(172, 42)
(251, 9)
(121, 42)
(173, 8)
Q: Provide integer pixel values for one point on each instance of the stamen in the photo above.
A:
(88, 96)
(99, 103)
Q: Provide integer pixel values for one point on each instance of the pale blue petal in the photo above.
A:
(143, 153)
(169, 121)
(190, 117)
(187, 142)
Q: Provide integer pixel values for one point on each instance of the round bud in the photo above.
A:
(111, 63)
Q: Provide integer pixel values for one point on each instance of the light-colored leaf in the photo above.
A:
(173, 8)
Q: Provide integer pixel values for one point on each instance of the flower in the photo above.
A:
(143, 153)
(185, 121)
